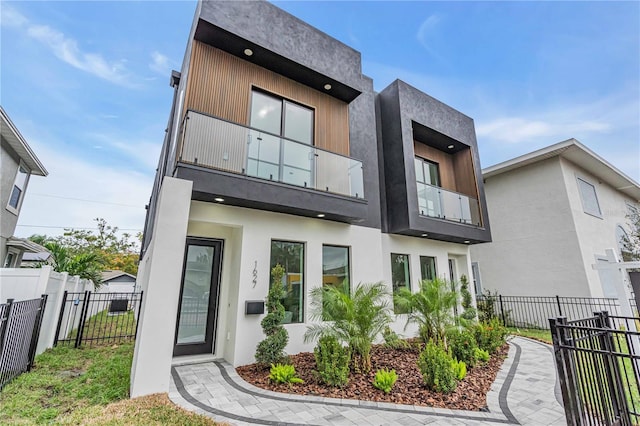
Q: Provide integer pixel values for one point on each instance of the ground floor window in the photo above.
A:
(335, 267)
(428, 267)
(291, 256)
(400, 276)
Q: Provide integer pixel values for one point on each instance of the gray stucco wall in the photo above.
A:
(9, 162)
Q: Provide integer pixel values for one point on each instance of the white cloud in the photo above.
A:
(144, 152)
(427, 34)
(121, 195)
(521, 130)
(66, 49)
(159, 63)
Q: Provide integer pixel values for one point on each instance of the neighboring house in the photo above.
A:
(278, 150)
(553, 214)
(117, 282)
(17, 164)
(34, 260)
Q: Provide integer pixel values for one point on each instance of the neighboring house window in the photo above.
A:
(274, 158)
(589, 198)
(9, 260)
(335, 267)
(19, 185)
(291, 256)
(428, 182)
(428, 267)
(400, 276)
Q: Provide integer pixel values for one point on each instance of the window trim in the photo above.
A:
(303, 289)
(9, 207)
(582, 200)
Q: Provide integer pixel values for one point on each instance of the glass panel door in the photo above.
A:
(195, 329)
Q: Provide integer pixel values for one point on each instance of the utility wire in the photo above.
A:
(85, 200)
(74, 227)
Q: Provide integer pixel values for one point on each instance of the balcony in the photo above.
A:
(221, 145)
(440, 203)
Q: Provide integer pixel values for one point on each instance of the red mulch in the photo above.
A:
(470, 393)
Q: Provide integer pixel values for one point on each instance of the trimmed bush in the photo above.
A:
(332, 361)
(385, 379)
(284, 373)
(462, 344)
(392, 340)
(437, 370)
(481, 355)
(459, 369)
(490, 335)
(271, 349)
(469, 313)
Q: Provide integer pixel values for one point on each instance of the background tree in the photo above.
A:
(631, 240)
(110, 248)
(85, 265)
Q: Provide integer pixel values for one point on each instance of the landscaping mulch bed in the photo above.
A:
(470, 393)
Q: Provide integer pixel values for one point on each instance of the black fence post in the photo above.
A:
(83, 317)
(559, 306)
(614, 375)
(62, 308)
(565, 372)
(36, 331)
(135, 334)
(504, 320)
(4, 323)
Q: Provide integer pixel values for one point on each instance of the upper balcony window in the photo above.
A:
(427, 172)
(281, 117)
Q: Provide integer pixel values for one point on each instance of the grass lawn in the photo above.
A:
(86, 386)
(542, 335)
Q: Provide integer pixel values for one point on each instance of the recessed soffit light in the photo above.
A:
(424, 235)
(450, 147)
(248, 52)
(327, 86)
(218, 199)
(320, 215)
(467, 241)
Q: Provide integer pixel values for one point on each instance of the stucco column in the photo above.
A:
(151, 366)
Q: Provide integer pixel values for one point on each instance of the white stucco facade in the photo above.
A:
(247, 235)
(544, 244)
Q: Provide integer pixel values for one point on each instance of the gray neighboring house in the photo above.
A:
(114, 281)
(553, 214)
(18, 162)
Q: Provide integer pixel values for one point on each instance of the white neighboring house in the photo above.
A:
(17, 163)
(117, 282)
(553, 214)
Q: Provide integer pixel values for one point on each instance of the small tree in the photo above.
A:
(431, 308)
(271, 350)
(469, 313)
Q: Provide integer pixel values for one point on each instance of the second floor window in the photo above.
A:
(281, 117)
(589, 198)
(427, 172)
(17, 191)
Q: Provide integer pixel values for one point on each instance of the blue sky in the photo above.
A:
(87, 84)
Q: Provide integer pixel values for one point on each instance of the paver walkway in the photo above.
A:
(525, 392)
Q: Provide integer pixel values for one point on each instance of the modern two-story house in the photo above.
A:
(17, 163)
(554, 213)
(278, 151)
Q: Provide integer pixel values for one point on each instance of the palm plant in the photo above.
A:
(355, 318)
(431, 308)
(85, 265)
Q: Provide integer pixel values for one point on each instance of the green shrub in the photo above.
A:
(469, 313)
(490, 335)
(284, 373)
(459, 369)
(481, 355)
(392, 340)
(436, 367)
(271, 349)
(332, 361)
(462, 344)
(385, 380)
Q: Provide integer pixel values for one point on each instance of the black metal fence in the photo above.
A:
(97, 318)
(19, 331)
(535, 311)
(598, 363)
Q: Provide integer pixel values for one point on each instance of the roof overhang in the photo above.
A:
(25, 245)
(11, 134)
(578, 154)
(222, 39)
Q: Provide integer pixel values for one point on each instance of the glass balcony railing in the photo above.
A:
(434, 201)
(219, 144)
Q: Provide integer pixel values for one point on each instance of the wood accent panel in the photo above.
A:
(220, 85)
(444, 161)
(465, 174)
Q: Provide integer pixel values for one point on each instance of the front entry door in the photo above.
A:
(198, 308)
